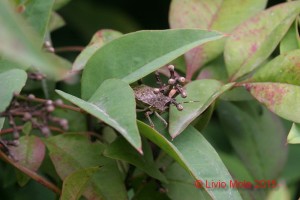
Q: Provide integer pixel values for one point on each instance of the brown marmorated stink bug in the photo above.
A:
(157, 100)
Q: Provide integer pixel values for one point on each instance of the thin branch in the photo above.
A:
(38, 178)
(69, 49)
(39, 100)
(10, 130)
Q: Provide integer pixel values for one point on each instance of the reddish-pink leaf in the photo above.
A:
(217, 15)
(30, 152)
(280, 98)
(252, 42)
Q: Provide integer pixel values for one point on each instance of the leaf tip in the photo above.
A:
(140, 150)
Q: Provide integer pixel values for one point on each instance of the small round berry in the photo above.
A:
(39, 77)
(179, 107)
(27, 116)
(58, 102)
(64, 124)
(49, 102)
(181, 79)
(171, 67)
(31, 96)
(45, 131)
(172, 81)
(50, 108)
(156, 90)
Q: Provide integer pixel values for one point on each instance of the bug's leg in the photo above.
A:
(161, 119)
(158, 80)
(141, 110)
(147, 114)
(178, 105)
(181, 91)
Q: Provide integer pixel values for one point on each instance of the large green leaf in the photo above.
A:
(73, 152)
(191, 150)
(121, 150)
(114, 104)
(11, 81)
(294, 134)
(137, 54)
(181, 186)
(280, 98)
(56, 22)
(240, 173)
(60, 3)
(291, 40)
(99, 39)
(37, 14)
(283, 69)
(75, 184)
(21, 44)
(220, 15)
(249, 128)
(254, 40)
(204, 93)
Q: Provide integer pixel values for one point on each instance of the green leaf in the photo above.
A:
(150, 191)
(27, 128)
(112, 98)
(56, 22)
(13, 80)
(294, 134)
(30, 153)
(291, 40)
(241, 173)
(282, 69)
(280, 98)
(37, 14)
(280, 193)
(236, 94)
(75, 184)
(181, 186)
(191, 150)
(254, 40)
(291, 173)
(249, 139)
(99, 39)
(18, 38)
(214, 70)
(146, 51)
(204, 93)
(217, 15)
(121, 150)
(72, 152)
(2, 120)
(60, 3)
(6, 64)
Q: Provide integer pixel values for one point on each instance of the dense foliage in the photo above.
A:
(70, 127)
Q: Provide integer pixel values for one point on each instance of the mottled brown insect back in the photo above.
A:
(146, 97)
(157, 100)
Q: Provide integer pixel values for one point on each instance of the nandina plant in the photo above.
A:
(203, 110)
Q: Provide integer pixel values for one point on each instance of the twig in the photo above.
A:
(69, 48)
(10, 130)
(39, 100)
(38, 178)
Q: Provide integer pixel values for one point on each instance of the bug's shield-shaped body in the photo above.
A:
(147, 98)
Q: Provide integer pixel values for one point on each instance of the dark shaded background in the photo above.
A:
(85, 17)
